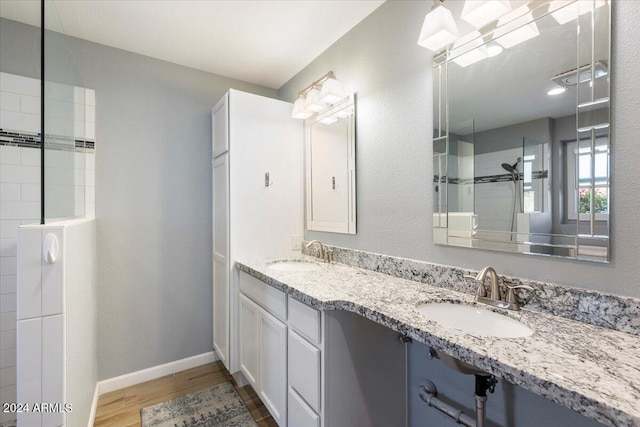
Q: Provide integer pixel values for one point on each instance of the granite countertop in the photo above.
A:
(592, 370)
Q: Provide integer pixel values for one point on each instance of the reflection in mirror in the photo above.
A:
(521, 132)
(330, 169)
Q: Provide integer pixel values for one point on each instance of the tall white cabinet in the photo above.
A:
(257, 199)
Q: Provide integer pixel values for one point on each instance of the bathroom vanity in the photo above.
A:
(299, 359)
(353, 308)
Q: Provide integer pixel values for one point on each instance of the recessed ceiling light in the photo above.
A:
(494, 49)
(556, 91)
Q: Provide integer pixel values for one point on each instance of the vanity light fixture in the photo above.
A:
(316, 97)
(298, 109)
(479, 13)
(516, 27)
(313, 102)
(469, 49)
(565, 11)
(439, 28)
(331, 91)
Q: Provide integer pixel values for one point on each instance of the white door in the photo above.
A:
(249, 341)
(221, 257)
(273, 366)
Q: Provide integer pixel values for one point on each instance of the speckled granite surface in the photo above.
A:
(590, 369)
(600, 309)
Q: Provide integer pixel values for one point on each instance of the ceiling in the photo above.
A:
(512, 87)
(262, 42)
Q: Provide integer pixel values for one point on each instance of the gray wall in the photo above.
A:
(380, 60)
(153, 195)
(508, 137)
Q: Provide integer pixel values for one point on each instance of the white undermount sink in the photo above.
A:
(293, 266)
(474, 320)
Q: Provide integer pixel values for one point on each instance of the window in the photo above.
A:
(579, 187)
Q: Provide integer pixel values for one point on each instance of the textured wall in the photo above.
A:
(153, 194)
(380, 60)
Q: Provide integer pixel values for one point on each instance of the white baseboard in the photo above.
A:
(94, 406)
(154, 372)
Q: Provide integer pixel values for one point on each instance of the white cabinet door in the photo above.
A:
(299, 414)
(221, 257)
(304, 370)
(220, 126)
(249, 340)
(273, 366)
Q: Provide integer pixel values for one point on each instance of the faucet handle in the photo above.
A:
(481, 291)
(511, 295)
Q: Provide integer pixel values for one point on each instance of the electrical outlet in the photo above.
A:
(296, 242)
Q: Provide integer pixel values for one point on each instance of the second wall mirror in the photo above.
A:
(521, 140)
(330, 150)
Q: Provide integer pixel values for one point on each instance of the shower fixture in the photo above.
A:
(515, 177)
(512, 168)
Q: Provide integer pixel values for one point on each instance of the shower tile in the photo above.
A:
(52, 366)
(30, 104)
(90, 131)
(7, 339)
(30, 210)
(19, 84)
(52, 277)
(30, 175)
(30, 354)
(9, 192)
(78, 95)
(30, 281)
(90, 97)
(23, 122)
(8, 266)
(30, 156)
(9, 229)
(9, 101)
(8, 284)
(9, 155)
(8, 358)
(7, 247)
(7, 376)
(7, 303)
(30, 193)
(8, 321)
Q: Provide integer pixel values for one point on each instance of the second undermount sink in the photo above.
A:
(474, 320)
(293, 266)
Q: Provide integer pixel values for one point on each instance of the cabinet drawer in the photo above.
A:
(299, 414)
(304, 370)
(267, 297)
(305, 320)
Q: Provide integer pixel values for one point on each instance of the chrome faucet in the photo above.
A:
(323, 252)
(510, 301)
(482, 291)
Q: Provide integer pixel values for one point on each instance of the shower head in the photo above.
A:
(509, 168)
(512, 168)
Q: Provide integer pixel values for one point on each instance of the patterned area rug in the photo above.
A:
(217, 406)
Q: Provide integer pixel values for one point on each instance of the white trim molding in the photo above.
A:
(154, 372)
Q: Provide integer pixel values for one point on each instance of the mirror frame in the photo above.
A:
(349, 226)
(440, 137)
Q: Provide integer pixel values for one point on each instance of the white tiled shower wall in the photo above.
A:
(70, 114)
(494, 200)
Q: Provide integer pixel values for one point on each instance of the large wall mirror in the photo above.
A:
(331, 169)
(521, 139)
